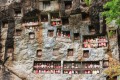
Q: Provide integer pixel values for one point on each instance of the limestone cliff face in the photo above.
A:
(26, 39)
(3, 2)
(8, 2)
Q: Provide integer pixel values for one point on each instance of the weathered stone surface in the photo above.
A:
(25, 49)
(75, 21)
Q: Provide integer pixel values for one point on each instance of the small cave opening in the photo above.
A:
(85, 53)
(85, 16)
(31, 35)
(91, 30)
(68, 4)
(76, 36)
(50, 33)
(39, 53)
(55, 16)
(59, 32)
(18, 32)
(55, 52)
(65, 21)
(105, 63)
(44, 18)
(70, 52)
(65, 34)
(17, 12)
(5, 24)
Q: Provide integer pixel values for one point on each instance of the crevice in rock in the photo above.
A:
(10, 37)
(118, 37)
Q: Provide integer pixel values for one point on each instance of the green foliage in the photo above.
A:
(88, 2)
(114, 11)
(111, 33)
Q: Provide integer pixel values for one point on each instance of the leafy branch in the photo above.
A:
(113, 11)
(88, 2)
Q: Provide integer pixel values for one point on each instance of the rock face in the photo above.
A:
(27, 40)
(3, 2)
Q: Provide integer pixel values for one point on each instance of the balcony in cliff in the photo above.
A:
(47, 67)
(91, 67)
(66, 34)
(55, 19)
(59, 32)
(31, 19)
(63, 35)
(95, 41)
(83, 67)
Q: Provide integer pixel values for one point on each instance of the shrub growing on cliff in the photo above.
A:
(88, 2)
(113, 11)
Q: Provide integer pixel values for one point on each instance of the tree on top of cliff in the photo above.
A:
(112, 11)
